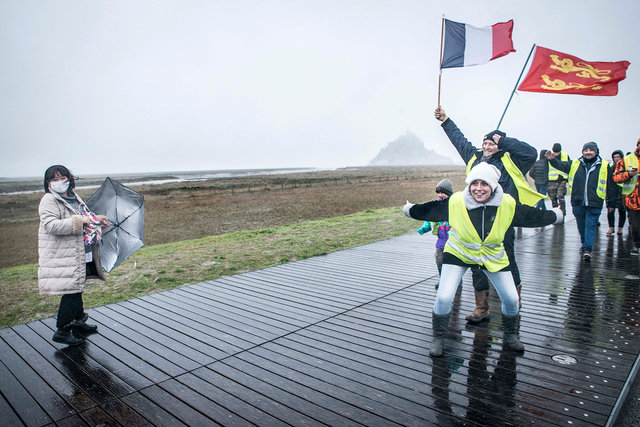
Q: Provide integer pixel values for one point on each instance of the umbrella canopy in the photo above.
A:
(124, 208)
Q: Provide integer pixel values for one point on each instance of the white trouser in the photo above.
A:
(450, 279)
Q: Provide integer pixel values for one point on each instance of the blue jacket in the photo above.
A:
(522, 154)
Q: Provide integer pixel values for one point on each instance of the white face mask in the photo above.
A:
(59, 186)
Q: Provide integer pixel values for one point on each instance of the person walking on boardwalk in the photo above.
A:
(480, 216)
(514, 159)
(557, 186)
(444, 189)
(615, 200)
(540, 174)
(68, 253)
(626, 173)
(589, 179)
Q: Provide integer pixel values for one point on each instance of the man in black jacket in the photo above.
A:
(540, 174)
(590, 179)
(512, 158)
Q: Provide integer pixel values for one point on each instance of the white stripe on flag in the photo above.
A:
(478, 45)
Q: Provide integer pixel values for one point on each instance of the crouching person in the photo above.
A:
(479, 216)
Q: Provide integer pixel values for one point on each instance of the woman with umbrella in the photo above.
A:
(68, 253)
(479, 216)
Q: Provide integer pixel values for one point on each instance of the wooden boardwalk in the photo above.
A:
(343, 339)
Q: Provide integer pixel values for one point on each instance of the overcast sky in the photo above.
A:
(124, 86)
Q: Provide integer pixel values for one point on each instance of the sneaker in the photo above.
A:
(586, 256)
(634, 251)
(610, 231)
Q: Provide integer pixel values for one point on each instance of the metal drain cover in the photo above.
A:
(564, 359)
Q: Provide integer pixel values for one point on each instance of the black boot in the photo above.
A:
(84, 328)
(65, 336)
(510, 334)
(440, 325)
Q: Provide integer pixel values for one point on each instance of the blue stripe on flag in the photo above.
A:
(454, 44)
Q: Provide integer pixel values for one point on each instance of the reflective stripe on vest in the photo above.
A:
(601, 190)
(526, 195)
(465, 243)
(630, 161)
(554, 173)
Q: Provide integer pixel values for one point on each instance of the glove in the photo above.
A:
(421, 231)
(406, 207)
(559, 215)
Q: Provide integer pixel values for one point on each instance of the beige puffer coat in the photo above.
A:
(62, 261)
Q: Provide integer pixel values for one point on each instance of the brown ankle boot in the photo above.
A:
(482, 308)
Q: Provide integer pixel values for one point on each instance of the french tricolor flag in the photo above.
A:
(466, 45)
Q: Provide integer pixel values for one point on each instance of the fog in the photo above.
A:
(145, 86)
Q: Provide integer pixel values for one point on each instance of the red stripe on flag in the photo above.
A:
(502, 42)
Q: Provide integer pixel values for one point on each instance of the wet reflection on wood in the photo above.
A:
(343, 339)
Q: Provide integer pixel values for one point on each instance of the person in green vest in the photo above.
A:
(557, 182)
(480, 216)
(626, 173)
(588, 179)
(513, 158)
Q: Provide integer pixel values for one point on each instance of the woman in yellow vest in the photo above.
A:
(479, 216)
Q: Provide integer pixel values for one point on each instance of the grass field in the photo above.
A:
(204, 230)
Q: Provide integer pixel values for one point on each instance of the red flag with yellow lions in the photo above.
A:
(556, 72)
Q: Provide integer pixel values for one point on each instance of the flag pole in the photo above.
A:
(516, 86)
(440, 64)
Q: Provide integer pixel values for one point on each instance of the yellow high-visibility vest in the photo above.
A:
(554, 173)
(464, 241)
(526, 195)
(630, 160)
(601, 189)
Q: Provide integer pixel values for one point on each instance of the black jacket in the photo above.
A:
(585, 182)
(482, 219)
(614, 195)
(522, 154)
(540, 172)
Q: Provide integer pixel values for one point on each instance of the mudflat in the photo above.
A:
(187, 210)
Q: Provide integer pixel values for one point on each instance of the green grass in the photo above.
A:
(167, 266)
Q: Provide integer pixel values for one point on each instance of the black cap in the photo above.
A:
(557, 148)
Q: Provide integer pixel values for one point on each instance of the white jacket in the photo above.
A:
(61, 255)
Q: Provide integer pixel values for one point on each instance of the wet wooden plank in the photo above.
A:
(124, 414)
(8, 416)
(25, 406)
(154, 332)
(75, 391)
(114, 372)
(156, 414)
(210, 401)
(175, 406)
(97, 416)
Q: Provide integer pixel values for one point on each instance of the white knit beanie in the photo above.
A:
(486, 172)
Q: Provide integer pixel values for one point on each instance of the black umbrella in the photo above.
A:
(124, 208)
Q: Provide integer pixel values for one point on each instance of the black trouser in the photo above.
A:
(611, 217)
(480, 280)
(70, 309)
(634, 222)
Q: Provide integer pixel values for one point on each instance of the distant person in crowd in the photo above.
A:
(68, 252)
(480, 216)
(589, 179)
(557, 184)
(444, 189)
(614, 200)
(514, 159)
(540, 174)
(626, 173)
